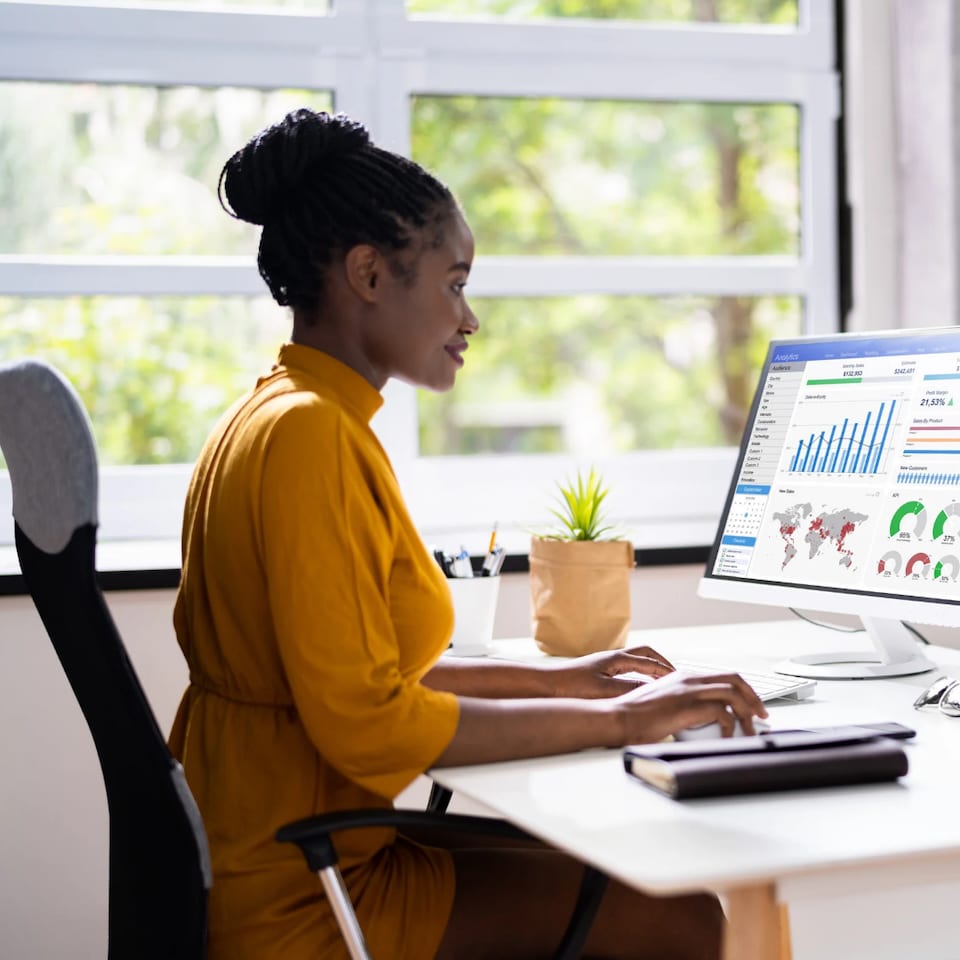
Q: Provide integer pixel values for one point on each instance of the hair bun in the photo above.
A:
(259, 178)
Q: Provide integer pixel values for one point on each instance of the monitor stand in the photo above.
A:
(896, 654)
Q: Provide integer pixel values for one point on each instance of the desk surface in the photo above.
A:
(803, 841)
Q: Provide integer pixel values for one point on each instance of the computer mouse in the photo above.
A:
(712, 731)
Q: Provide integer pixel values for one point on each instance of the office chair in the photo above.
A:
(159, 860)
(159, 863)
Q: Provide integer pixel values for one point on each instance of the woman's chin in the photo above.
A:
(435, 384)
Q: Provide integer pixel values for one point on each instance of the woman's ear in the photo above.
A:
(364, 266)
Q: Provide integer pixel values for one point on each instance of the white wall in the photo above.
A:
(53, 813)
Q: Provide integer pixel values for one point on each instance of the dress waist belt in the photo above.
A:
(206, 687)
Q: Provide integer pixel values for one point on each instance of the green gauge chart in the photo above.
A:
(914, 507)
(946, 568)
(943, 518)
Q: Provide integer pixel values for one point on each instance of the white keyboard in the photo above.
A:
(767, 686)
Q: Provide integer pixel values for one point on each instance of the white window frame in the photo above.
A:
(374, 58)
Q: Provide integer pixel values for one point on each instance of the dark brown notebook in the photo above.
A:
(784, 761)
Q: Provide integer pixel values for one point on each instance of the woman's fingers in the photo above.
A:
(752, 704)
(735, 693)
(721, 681)
(643, 660)
(725, 719)
(677, 702)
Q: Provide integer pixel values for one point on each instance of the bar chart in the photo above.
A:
(931, 447)
(929, 478)
(857, 444)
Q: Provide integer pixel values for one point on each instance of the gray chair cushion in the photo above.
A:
(46, 439)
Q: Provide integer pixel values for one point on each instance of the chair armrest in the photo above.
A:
(312, 834)
(439, 798)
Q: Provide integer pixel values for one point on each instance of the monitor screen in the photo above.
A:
(846, 493)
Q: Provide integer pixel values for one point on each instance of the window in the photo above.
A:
(651, 184)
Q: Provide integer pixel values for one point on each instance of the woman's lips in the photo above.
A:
(456, 351)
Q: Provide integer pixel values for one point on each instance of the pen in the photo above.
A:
(461, 565)
(443, 561)
(489, 568)
(492, 562)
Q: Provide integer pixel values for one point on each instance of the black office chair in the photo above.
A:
(159, 862)
(159, 859)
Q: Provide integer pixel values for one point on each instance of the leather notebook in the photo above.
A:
(772, 761)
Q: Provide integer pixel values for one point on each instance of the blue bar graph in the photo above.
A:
(860, 451)
(940, 479)
(825, 452)
(836, 453)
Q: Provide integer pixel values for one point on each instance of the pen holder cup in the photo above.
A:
(474, 609)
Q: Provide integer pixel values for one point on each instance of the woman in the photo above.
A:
(313, 618)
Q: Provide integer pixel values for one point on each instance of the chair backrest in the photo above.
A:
(159, 860)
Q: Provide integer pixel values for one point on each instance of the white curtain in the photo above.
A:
(903, 142)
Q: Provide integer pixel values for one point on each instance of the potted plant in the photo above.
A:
(580, 575)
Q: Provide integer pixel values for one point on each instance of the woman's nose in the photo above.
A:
(470, 324)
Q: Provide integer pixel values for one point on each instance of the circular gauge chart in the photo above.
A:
(948, 520)
(890, 564)
(911, 508)
(946, 568)
(918, 566)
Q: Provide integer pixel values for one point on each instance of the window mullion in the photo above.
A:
(491, 276)
(690, 44)
(640, 276)
(128, 276)
(818, 192)
(157, 46)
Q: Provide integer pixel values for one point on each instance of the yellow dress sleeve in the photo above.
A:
(332, 529)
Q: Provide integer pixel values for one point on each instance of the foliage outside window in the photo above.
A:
(126, 170)
(721, 11)
(154, 374)
(595, 376)
(598, 376)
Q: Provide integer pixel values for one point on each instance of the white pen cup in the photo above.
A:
(474, 609)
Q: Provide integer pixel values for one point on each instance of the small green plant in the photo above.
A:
(580, 514)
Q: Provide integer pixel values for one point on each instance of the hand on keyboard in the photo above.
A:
(768, 686)
(678, 701)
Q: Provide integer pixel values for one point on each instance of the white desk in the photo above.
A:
(756, 850)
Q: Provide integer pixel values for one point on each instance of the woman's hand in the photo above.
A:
(598, 675)
(675, 702)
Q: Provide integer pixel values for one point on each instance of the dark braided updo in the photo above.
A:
(319, 186)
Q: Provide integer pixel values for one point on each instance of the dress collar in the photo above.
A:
(335, 377)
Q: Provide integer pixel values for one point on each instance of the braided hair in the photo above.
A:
(318, 186)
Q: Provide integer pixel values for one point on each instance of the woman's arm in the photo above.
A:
(589, 677)
(490, 730)
(495, 679)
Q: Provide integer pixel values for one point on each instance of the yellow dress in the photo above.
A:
(308, 612)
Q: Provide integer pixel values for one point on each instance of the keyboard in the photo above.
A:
(767, 686)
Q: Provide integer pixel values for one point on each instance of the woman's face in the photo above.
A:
(421, 333)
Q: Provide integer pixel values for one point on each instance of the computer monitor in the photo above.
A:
(846, 493)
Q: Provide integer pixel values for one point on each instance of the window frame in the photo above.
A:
(374, 58)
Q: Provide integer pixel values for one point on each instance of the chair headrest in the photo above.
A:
(48, 444)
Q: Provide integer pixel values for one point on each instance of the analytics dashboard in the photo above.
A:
(849, 475)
